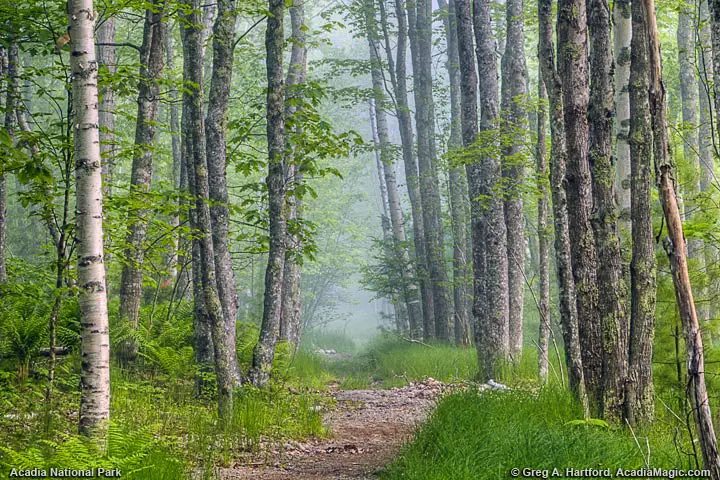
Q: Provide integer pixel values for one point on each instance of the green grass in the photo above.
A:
(483, 436)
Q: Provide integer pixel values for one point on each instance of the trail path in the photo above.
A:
(368, 428)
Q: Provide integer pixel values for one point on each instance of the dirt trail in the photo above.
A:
(368, 428)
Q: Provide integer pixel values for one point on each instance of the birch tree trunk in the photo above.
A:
(611, 285)
(106, 59)
(152, 58)
(420, 26)
(297, 72)
(639, 395)
(573, 69)
(514, 91)
(193, 73)
(558, 157)
(493, 341)
(458, 184)
(621, 37)
(95, 340)
(675, 242)
(543, 232)
(264, 351)
(9, 70)
(176, 260)
(216, 138)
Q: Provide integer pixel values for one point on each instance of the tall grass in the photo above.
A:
(483, 436)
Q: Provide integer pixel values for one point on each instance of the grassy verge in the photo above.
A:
(484, 436)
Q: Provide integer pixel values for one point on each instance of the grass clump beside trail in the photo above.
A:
(485, 435)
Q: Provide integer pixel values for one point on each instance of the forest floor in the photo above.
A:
(367, 429)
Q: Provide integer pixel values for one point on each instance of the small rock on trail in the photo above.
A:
(367, 427)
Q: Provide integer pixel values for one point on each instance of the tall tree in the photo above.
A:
(95, 339)
(152, 61)
(409, 287)
(675, 246)
(398, 77)
(514, 91)
(216, 144)
(202, 223)
(264, 351)
(543, 232)
(458, 182)
(493, 344)
(640, 403)
(621, 37)
(420, 27)
(9, 74)
(558, 158)
(297, 73)
(611, 285)
(573, 69)
(106, 59)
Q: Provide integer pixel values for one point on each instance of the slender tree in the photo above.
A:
(216, 143)
(152, 61)
(493, 344)
(514, 91)
(573, 69)
(264, 351)
(543, 232)
(622, 34)
(611, 285)
(9, 74)
(558, 158)
(639, 396)
(95, 341)
(106, 59)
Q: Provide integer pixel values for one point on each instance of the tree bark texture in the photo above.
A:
(216, 144)
(514, 91)
(95, 339)
(106, 59)
(264, 351)
(622, 34)
(543, 232)
(493, 334)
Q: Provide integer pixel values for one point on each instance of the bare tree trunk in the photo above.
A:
(493, 335)
(9, 71)
(566, 283)
(705, 136)
(193, 74)
(95, 372)
(622, 35)
(611, 285)
(674, 244)
(106, 59)
(176, 260)
(216, 138)
(543, 232)
(264, 351)
(399, 79)
(458, 184)
(514, 90)
(297, 72)
(573, 69)
(420, 22)
(152, 58)
(639, 396)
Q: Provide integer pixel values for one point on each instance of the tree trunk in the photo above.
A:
(514, 91)
(152, 58)
(193, 74)
(622, 35)
(566, 283)
(458, 184)
(410, 162)
(640, 403)
(264, 351)
(297, 72)
(95, 339)
(176, 259)
(485, 182)
(675, 242)
(705, 137)
(409, 288)
(573, 69)
(610, 282)
(106, 59)
(420, 22)
(216, 137)
(9, 71)
(543, 232)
